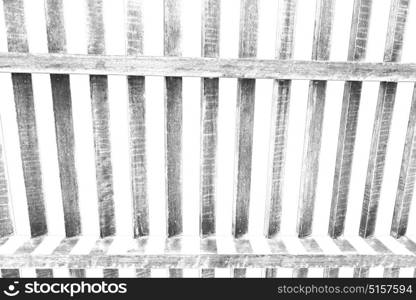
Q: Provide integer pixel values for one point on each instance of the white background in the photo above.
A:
(75, 18)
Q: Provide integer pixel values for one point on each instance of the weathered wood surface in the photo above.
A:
(279, 118)
(137, 122)
(62, 107)
(349, 118)
(276, 246)
(314, 118)
(209, 115)
(10, 273)
(206, 67)
(312, 247)
(26, 119)
(244, 120)
(407, 177)
(101, 126)
(382, 122)
(173, 120)
(210, 30)
(142, 258)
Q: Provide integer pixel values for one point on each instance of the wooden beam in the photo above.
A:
(206, 67)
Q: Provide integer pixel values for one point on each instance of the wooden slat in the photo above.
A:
(137, 113)
(10, 273)
(207, 273)
(143, 273)
(210, 29)
(99, 257)
(173, 120)
(314, 119)
(209, 116)
(280, 114)
(110, 273)
(206, 67)
(175, 273)
(384, 112)
(44, 273)
(62, 107)
(349, 117)
(77, 273)
(244, 119)
(101, 126)
(25, 113)
(407, 177)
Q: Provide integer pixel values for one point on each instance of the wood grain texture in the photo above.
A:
(44, 273)
(10, 273)
(384, 112)
(314, 119)
(26, 119)
(379, 247)
(101, 126)
(207, 245)
(345, 247)
(137, 122)
(141, 257)
(209, 118)
(244, 120)
(407, 177)
(77, 273)
(206, 67)
(110, 273)
(279, 119)
(143, 273)
(173, 120)
(311, 246)
(62, 107)
(349, 118)
(207, 273)
(276, 246)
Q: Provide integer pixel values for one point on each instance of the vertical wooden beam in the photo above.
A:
(26, 119)
(280, 114)
(143, 273)
(244, 124)
(101, 126)
(137, 124)
(245, 119)
(44, 273)
(62, 107)
(77, 273)
(137, 127)
(10, 273)
(314, 119)
(279, 119)
(349, 117)
(110, 273)
(407, 177)
(173, 120)
(209, 117)
(348, 125)
(384, 112)
(175, 273)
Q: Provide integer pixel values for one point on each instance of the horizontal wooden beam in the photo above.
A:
(148, 261)
(205, 67)
(140, 253)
